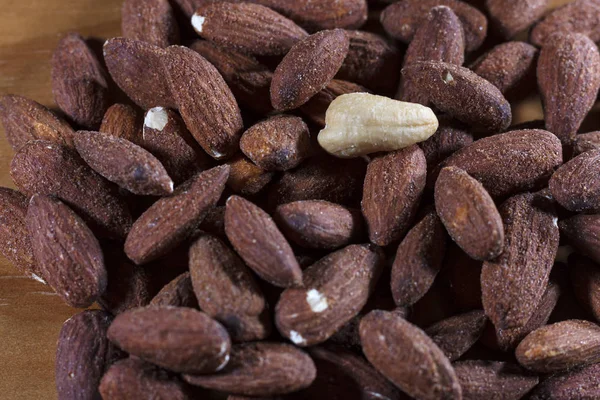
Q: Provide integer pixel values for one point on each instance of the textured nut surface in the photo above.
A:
(578, 383)
(316, 108)
(581, 16)
(177, 293)
(124, 121)
(151, 21)
(583, 232)
(455, 335)
(576, 184)
(512, 17)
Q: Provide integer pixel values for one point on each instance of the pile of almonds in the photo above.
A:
(290, 207)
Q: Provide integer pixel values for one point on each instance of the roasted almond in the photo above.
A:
(581, 16)
(177, 293)
(585, 277)
(123, 121)
(585, 142)
(579, 383)
(576, 184)
(316, 108)
(513, 17)
(214, 222)
(582, 231)
(246, 177)
(149, 21)
(455, 335)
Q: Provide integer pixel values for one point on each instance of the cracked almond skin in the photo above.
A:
(24, 120)
(246, 177)
(246, 27)
(581, 383)
(580, 16)
(461, 93)
(392, 191)
(418, 260)
(394, 347)
(227, 291)
(568, 75)
(583, 232)
(79, 82)
(402, 19)
(42, 167)
(469, 214)
(124, 121)
(261, 369)
(135, 67)
(68, 256)
(170, 221)
(513, 17)
(205, 102)
(177, 293)
(585, 278)
(586, 142)
(151, 21)
(576, 184)
(455, 335)
(510, 162)
(560, 347)
(334, 290)
(316, 108)
(261, 245)
(513, 284)
(307, 68)
(124, 163)
(179, 339)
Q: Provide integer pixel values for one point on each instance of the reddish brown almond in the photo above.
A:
(455, 335)
(402, 19)
(78, 82)
(469, 214)
(123, 121)
(316, 107)
(227, 291)
(136, 68)
(394, 347)
(261, 369)
(580, 383)
(585, 277)
(320, 224)
(418, 260)
(205, 102)
(510, 162)
(391, 194)
(26, 120)
(586, 142)
(149, 21)
(176, 338)
(83, 355)
(246, 177)
(167, 138)
(45, 168)
(513, 17)
(568, 74)
(583, 232)
(249, 80)
(124, 163)
(439, 38)
(514, 283)
(170, 221)
(561, 346)
(335, 289)
(461, 93)
(67, 254)
(507, 65)
(576, 184)
(581, 16)
(493, 380)
(307, 68)
(177, 293)
(261, 245)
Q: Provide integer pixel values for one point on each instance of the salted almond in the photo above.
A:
(456, 335)
(580, 16)
(149, 21)
(575, 185)
(581, 382)
(246, 177)
(581, 231)
(585, 142)
(177, 293)
(513, 17)
(124, 121)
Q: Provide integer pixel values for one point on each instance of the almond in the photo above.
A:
(149, 21)
(576, 185)
(455, 335)
(177, 293)
(585, 277)
(585, 142)
(214, 222)
(246, 177)
(316, 108)
(123, 121)
(581, 231)
(513, 17)
(578, 383)
(581, 16)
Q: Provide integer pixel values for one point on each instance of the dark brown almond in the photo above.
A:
(560, 346)
(261, 369)
(513, 17)
(177, 293)
(279, 143)
(316, 107)
(507, 65)
(123, 121)
(585, 277)
(581, 16)
(167, 138)
(513, 284)
(149, 21)
(469, 214)
(439, 38)
(335, 289)
(205, 101)
(124, 163)
(171, 220)
(136, 68)
(402, 19)
(583, 232)
(179, 339)
(418, 260)
(320, 224)
(580, 383)
(307, 68)
(576, 184)
(455, 335)
(227, 291)
(510, 162)
(461, 93)
(26, 120)
(79, 82)
(394, 347)
(568, 75)
(83, 354)
(586, 142)
(493, 380)
(392, 191)
(249, 28)
(261, 245)
(246, 177)
(67, 254)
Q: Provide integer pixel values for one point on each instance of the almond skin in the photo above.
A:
(246, 177)
(576, 184)
(67, 254)
(124, 121)
(586, 142)
(513, 17)
(582, 231)
(585, 277)
(455, 335)
(177, 293)
(582, 383)
(580, 16)
(307, 68)
(149, 21)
